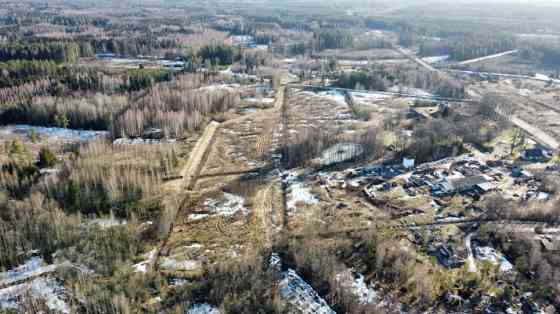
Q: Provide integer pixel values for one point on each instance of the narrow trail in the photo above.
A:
(271, 208)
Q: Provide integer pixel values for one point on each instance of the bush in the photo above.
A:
(47, 159)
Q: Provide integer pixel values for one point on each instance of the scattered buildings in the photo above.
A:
(536, 155)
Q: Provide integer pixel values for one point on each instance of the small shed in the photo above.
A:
(535, 155)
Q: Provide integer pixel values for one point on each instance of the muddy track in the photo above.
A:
(285, 139)
(334, 233)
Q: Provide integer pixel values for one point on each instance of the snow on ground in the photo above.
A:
(436, 59)
(485, 253)
(203, 308)
(105, 223)
(301, 295)
(230, 205)
(366, 294)
(227, 87)
(45, 289)
(411, 91)
(364, 98)
(298, 191)
(297, 292)
(33, 267)
(142, 141)
(334, 95)
(186, 265)
(265, 100)
(229, 72)
(340, 152)
(142, 267)
(66, 135)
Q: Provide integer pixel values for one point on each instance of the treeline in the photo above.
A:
(545, 52)
(470, 46)
(90, 185)
(17, 72)
(23, 79)
(135, 46)
(361, 80)
(175, 108)
(381, 78)
(95, 113)
(218, 54)
(332, 39)
(59, 52)
(435, 139)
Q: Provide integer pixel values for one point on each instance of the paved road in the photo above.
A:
(494, 56)
(537, 133)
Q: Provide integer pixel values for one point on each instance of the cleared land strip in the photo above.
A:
(494, 56)
(537, 133)
(196, 160)
(513, 76)
(395, 94)
(503, 223)
(174, 189)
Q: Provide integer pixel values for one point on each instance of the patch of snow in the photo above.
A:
(33, 267)
(366, 294)
(203, 308)
(178, 282)
(298, 192)
(142, 141)
(195, 217)
(186, 265)
(436, 59)
(228, 207)
(542, 77)
(411, 91)
(361, 97)
(485, 253)
(46, 289)
(301, 295)
(265, 100)
(66, 135)
(142, 267)
(108, 222)
(340, 153)
(226, 87)
(334, 95)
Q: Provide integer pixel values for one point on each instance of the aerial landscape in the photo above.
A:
(266, 156)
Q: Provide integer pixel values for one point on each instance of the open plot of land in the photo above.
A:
(539, 106)
(359, 54)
